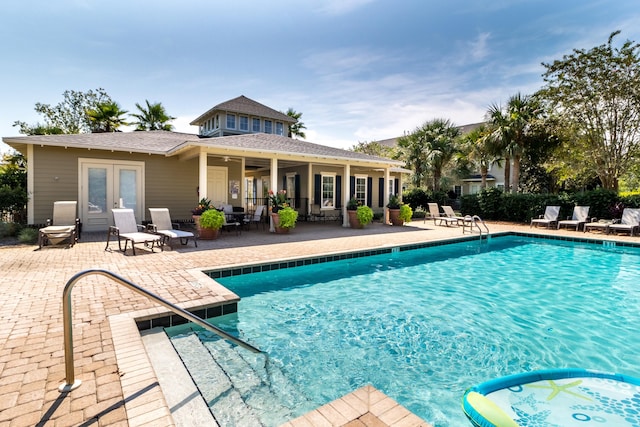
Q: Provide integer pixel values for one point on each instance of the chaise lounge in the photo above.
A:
(630, 221)
(161, 224)
(550, 217)
(127, 229)
(579, 217)
(434, 213)
(64, 227)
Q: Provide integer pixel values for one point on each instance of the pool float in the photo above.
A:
(555, 397)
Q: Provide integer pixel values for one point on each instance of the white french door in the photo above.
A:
(106, 185)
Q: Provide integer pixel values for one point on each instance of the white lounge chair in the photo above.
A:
(64, 227)
(630, 221)
(448, 212)
(579, 217)
(434, 213)
(127, 229)
(549, 218)
(161, 224)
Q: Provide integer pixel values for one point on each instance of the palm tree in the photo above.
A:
(477, 149)
(510, 131)
(154, 117)
(429, 149)
(295, 129)
(106, 117)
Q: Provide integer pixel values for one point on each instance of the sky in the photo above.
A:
(357, 70)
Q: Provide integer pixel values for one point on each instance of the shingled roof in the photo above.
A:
(244, 105)
(169, 143)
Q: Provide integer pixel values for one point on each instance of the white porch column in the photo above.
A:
(387, 179)
(309, 190)
(274, 187)
(345, 194)
(202, 175)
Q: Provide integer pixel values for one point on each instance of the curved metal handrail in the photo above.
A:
(70, 381)
(471, 222)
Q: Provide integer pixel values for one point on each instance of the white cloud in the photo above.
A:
(479, 47)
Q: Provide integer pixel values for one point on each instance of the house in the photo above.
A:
(139, 170)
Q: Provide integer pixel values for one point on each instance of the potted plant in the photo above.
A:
(364, 214)
(406, 213)
(394, 209)
(203, 205)
(211, 222)
(287, 218)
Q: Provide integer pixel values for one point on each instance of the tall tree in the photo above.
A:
(597, 92)
(153, 117)
(68, 116)
(373, 148)
(511, 126)
(106, 117)
(428, 150)
(296, 129)
(476, 149)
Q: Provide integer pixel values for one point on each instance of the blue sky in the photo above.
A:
(358, 70)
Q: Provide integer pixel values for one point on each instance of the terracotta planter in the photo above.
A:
(354, 222)
(282, 230)
(276, 221)
(394, 217)
(205, 233)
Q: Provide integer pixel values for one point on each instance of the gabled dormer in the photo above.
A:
(240, 116)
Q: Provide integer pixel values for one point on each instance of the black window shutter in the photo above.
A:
(338, 191)
(380, 192)
(369, 191)
(352, 186)
(395, 186)
(297, 190)
(317, 189)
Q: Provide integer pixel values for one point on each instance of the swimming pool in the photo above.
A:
(425, 324)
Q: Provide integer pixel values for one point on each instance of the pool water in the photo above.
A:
(424, 325)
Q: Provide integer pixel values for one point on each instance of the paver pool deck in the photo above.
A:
(119, 387)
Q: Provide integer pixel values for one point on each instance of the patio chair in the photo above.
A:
(161, 224)
(579, 217)
(63, 228)
(549, 218)
(228, 225)
(597, 224)
(255, 218)
(126, 229)
(630, 221)
(434, 213)
(449, 213)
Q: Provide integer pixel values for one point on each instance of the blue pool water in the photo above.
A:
(423, 325)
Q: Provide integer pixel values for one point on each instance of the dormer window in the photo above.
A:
(268, 126)
(279, 128)
(231, 121)
(255, 125)
(244, 123)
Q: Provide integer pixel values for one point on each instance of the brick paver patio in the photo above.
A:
(118, 388)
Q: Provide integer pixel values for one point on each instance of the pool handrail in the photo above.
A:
(471, 222)
(70, 382)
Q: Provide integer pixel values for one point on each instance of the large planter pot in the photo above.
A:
(394, 217)
(354, 222)
(205, 233)
(276, 221)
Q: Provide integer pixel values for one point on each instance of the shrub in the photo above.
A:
(212, 218)
(406, 213)
(28, 235)
(365, 214)
(9, 229)
(288, 217)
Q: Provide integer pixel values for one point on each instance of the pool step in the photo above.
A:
(240, 387)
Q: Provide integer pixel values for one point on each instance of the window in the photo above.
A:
(255, 125)
(291, 189)
(268, 126)
(328, 191)
(279, 129)
(392, 186)
(244, 123)
(458, 190)
(361, 189)
(217, 122)
(231, 121)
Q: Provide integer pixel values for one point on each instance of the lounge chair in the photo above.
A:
(448, 212)
(434, 213)
(550, 217)
(126, 229)
(630, 221)
(579, 217)
(161, 224)
(229, 225)
(63, 228)
(596, 224)
(255, 218)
